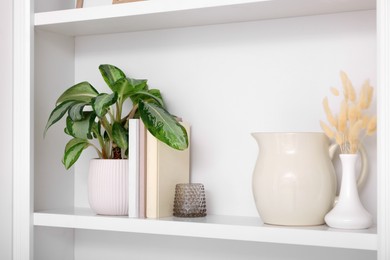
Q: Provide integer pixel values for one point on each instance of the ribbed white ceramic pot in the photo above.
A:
(108, 189)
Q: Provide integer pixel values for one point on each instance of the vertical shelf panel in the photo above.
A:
(23, 127)
(383, 21)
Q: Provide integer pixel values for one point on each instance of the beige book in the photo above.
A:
(124, 1)
(165, 167)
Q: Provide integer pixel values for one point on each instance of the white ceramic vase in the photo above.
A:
(108, 189)
(349, 213)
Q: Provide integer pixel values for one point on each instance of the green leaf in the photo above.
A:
(81, 129)
(163, 125)
(122, 87)
(120, 135)
(81, 92)
(111, 74)
(126, 87)
(73, 151)
(152, 95)
(96, 129)
(138, 84)
(102, 102)
(156, 93)
(67, 131)
(58, 112)
(76, 111)
(106, 138)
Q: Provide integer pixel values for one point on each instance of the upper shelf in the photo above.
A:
(217, 227)
(157, 14)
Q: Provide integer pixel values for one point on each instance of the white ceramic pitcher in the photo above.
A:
(294, 181)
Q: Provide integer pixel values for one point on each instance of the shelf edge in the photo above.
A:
(155, 15)
(366, 240)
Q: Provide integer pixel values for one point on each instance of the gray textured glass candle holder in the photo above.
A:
(190, 200)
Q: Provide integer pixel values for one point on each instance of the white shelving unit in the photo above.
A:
(216, 227)
(168, 40)
(151, 15)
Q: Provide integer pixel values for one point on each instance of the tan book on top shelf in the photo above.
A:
(165, 167)
(124, 1)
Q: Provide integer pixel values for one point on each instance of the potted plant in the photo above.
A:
(98, 120)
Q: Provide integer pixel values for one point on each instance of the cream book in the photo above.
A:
(142, 170)
(165, 167)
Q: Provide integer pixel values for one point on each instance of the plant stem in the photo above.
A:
(132, 112)
(101, 142)
(97, 150)
(119, 106)
(111, 115)
(106, 126)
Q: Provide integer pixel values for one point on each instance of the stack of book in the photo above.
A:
(154, 170)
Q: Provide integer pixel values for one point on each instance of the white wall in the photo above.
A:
(262, 76)
(6, 130)
(267, 76)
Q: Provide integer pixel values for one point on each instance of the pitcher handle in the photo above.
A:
(364, 168)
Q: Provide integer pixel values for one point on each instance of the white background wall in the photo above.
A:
(6, 130)
(230, 80)
(267, 76)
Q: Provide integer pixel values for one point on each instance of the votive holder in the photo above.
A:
(190, 200)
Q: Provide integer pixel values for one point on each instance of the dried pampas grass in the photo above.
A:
(327, 130)
(371, 126)
(342, 126)
(352, 123)
(332, 120)
(335, 91)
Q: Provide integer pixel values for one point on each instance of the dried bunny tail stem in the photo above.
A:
(342, 122)
(327, 130)
(352, 114)
(363, 95)
(339, 139)
(359, 114)
(370, 93)
(371, 126)
(353, 137)
(345, 147)
(353, 148)
(349, 91)
(366, 95)
(343, 81)
(355, 131)
(365, 120)
(332, 120)
(334, 91)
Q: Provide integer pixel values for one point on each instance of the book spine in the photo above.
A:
(142, 170)
(134, 168)
(151, 175)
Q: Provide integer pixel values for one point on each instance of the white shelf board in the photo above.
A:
(217, 227)
(157, 14)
